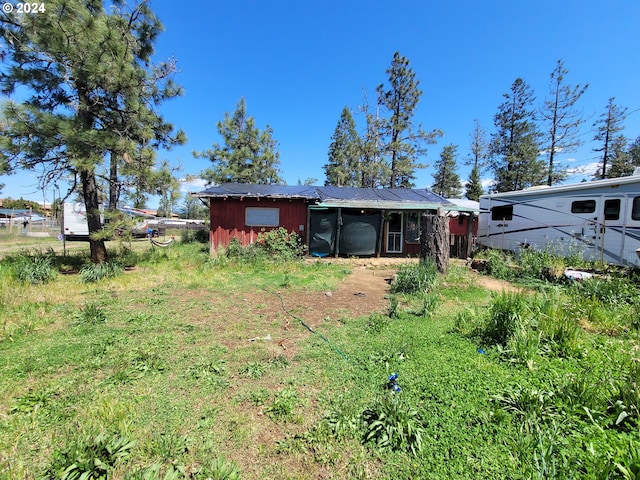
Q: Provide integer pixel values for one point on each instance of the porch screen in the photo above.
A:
(322, 232)
(359, 234)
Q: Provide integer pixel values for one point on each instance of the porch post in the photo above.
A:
(339, 222)
(381, 235)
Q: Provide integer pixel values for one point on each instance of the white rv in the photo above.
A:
(600, 219)
(75, 227)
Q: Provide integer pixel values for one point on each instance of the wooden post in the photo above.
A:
(380, 235)
(338, 232)
(435, 241)
(469, 240)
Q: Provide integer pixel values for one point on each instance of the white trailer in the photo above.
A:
(599, 219)
(75, 226)
(74, 221)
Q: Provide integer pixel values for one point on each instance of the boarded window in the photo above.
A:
(504, 212)
(262, 217)
(635, 210)
(583, 206)
(612, 209)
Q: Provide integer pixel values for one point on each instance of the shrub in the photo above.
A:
(507, 314)
(415, 278)
(93, 272)
(34, 270)
(89, 457)
(392, 424)
(90, 315)
(280, 244)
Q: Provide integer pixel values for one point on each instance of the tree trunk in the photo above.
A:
(92, 205)
(435, 241)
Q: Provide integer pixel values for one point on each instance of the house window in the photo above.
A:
(583, 206)
(504, 212)
(262, 217)
(612, 209)
(635, 210)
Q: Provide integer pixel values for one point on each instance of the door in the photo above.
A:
(394, 233)
(609, 231)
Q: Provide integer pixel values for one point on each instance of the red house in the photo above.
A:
(330, 220)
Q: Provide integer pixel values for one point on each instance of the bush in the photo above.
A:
(93, 272)
(507, 314)
(415, 278)
(276, 245)
(34, 270)
(392, 424)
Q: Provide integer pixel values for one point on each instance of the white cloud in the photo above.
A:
(192, 184)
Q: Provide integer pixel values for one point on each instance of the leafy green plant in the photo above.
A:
(34, 270)
(91, 314)
(94, 272)
(507, 313)
(415, 278)
(283, 405)
(392, 424)
(89, 458)
(253, 370)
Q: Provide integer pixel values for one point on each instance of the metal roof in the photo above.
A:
(242, 190)
(335, 197)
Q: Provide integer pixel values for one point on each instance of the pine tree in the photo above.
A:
(343, 168)
(446, 180)
(403, 143)
(246, 155)
(473, 188)
(478, 160)
(621, 163)
(374, 171)
(634, 152)
(478, 146)
(515, 144)
(92, 89)
(608, 126)
(562, 121)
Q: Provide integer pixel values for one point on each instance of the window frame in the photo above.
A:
(255, 217)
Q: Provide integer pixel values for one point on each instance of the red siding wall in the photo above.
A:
(457, 228)
(228, 219)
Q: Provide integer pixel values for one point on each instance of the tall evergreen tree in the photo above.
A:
(562, 121)
(515, 144)
(374, 170)
(343, 168)
(85, 72)
(446, 180)
(477, 158)
(620, 161)
(246, 155)
(608, 126)
(478, 147)
(634, 152)
(403, 143)
(473, 188)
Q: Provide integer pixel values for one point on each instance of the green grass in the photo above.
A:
(167, 371)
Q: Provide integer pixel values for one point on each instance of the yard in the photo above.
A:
(186, 366)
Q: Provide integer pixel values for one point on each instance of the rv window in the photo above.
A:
(635, 210)
(262, 217)
(502, 213)
(583, 206)
(612, 209)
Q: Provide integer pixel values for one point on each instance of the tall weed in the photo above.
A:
(415, 278)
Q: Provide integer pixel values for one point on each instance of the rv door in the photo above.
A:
(610, 229)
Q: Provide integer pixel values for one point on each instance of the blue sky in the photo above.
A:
(299, 63)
